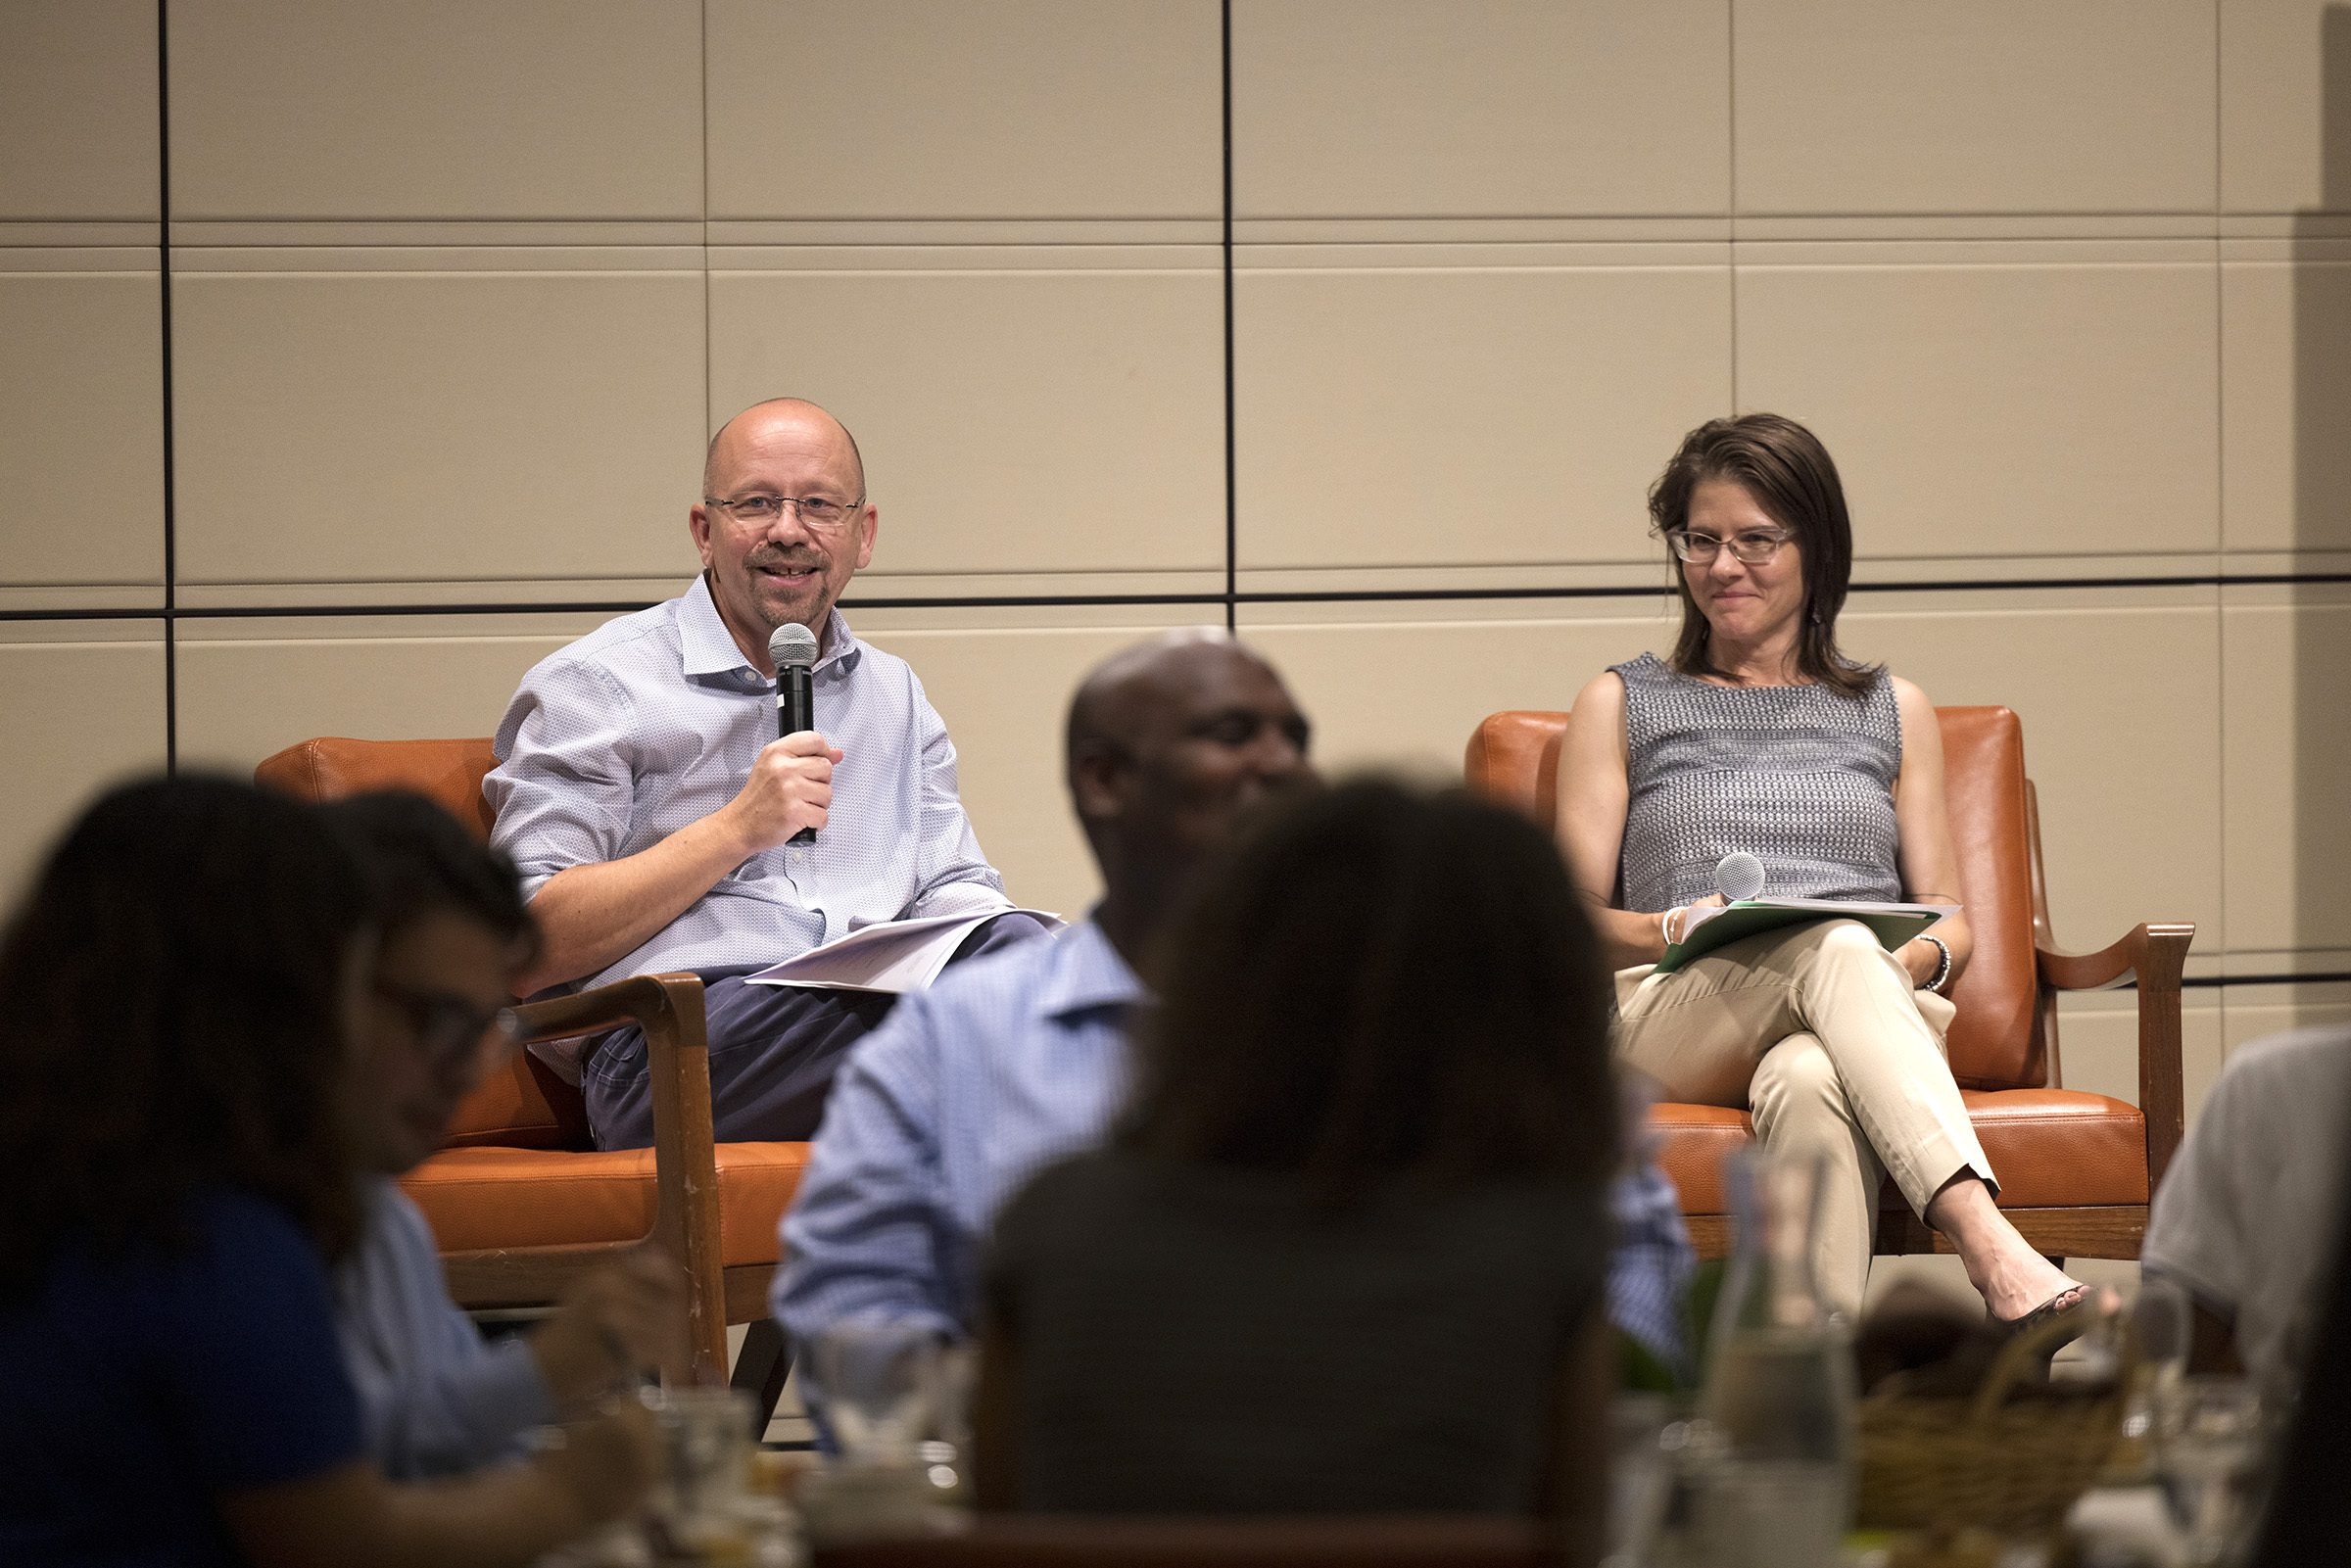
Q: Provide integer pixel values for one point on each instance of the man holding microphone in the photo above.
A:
(657, 820)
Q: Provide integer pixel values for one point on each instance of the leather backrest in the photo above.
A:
(331, 768)
(523, 1105)
(1515, 757)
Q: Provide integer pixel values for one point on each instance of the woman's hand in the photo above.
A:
(1922, 959)
(1676, 924)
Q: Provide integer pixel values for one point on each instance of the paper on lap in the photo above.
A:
(1708, 928)
(896, 955)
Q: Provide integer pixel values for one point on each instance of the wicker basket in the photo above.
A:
(1987, 1460)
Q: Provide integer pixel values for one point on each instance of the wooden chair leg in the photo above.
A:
(761, 1370)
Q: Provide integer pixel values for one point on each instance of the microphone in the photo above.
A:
(792, 648)
(1738, 875)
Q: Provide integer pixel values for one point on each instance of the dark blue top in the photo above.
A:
(134, 1388)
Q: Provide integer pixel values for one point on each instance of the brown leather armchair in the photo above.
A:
(2075, 1168)
(519, 1200)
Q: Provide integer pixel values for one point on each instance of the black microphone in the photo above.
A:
(792, 648)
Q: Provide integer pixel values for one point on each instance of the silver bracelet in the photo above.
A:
(1942, 970)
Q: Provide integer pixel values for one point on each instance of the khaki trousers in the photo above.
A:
(1817, 1030)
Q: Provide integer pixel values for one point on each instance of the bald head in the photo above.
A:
(1168, 742)
(797, 411)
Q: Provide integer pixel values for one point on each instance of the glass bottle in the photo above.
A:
(1775, 1489)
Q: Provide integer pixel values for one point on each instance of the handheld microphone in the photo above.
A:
(1738, 875)
(792, 648)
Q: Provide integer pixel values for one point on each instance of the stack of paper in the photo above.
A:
(1710, 926)
(897, 955)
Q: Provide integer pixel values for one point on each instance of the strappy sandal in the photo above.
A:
(2065, 1300)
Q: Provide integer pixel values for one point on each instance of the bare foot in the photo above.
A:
(2012, 1278)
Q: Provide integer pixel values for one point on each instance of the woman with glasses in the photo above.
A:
(1755, 735)
(184, 983)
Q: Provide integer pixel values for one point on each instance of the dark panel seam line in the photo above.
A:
(162, 195)
(2214, 981)
(1232, 445)
(171, 613)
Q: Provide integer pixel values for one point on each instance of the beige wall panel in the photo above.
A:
(2285, 404)
(436, 109)
(82, 427)
(1473, 417)
(240, 701)
(2099, 1048)
(2251, 1012)
(78, 715)
(2286, 127)
(2121, 712)
(2008, 106)
(1005, 695)
(77, 111)
(1014, 421)
(2000, 410)
(2288, 774)
(1479, 108)
(357, 427)
(1005, 109)
(1406, 695)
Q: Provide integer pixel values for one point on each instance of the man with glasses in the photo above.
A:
(656, 819)
(431, 1021)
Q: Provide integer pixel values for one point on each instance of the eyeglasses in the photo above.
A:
(453, 1032)
(1755, 546)
(815, 513)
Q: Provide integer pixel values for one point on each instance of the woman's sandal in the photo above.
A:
(2065, 1300)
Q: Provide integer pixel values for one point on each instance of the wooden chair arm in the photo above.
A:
(668, 1007)
(2154, 956)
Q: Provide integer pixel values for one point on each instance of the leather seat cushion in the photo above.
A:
(483, 1198)
(2049, 1148)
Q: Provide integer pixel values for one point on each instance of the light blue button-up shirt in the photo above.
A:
(651, 722)
(436, 1400)
(1003, 1066)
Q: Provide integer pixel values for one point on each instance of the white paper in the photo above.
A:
(897, 955)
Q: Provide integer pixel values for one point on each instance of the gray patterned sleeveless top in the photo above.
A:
(1798, 776)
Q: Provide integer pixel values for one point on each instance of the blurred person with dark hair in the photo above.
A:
(1009, 1063)
(184, 979)
(1757, 735)
(1318, 1171)
(437, 1400)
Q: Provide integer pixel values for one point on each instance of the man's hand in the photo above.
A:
(628, 1315)
(593, 915)
(791, 787)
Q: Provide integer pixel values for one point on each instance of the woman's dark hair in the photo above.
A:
(1793, 479)
(1378, 983)
(174, 1022)
(424, 861)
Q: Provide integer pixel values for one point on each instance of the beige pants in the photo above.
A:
(1817, 1031)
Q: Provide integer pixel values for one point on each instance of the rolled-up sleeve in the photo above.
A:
(563, 788)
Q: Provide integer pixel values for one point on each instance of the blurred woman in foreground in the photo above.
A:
(1345, 1251)
(181, 986)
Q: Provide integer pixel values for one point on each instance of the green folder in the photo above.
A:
(1894, 923)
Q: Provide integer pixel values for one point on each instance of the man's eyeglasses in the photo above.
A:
(815, 513)
(453, 1032)
(1755, 546)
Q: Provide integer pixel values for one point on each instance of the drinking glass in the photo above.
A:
(1640, 1476)
(879, 1383)
(709, 1436)
(2208, 1446)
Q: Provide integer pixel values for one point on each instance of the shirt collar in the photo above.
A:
(706, 647)
(1088, 974)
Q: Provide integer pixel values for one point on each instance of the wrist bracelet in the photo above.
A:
(1942, 969)
(1665, 926)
